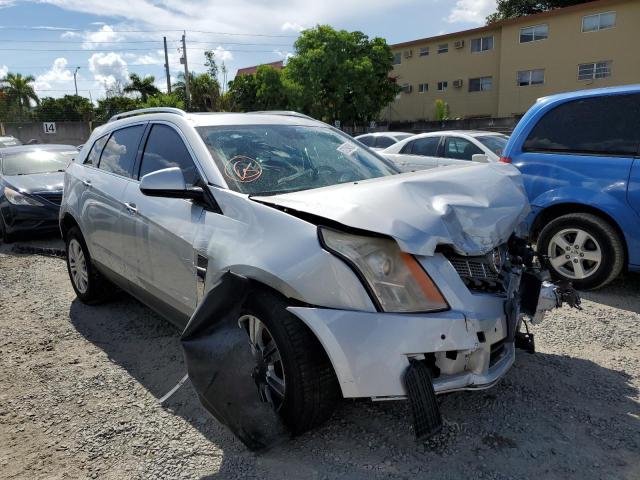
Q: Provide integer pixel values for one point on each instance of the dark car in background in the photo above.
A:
(31, 178)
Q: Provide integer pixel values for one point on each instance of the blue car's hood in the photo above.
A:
(36, 183)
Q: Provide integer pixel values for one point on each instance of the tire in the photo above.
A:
(4, 235)
(311, 388)
(94, 288)
(599, 258)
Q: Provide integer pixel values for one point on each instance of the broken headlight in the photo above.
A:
(394, 278)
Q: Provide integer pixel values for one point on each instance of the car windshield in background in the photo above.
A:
(402, 136)
(272, 159)
(36, 161)
(495, 143)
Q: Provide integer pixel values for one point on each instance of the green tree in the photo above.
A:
(441, 110)
(242, 93)
(204, 92)
(108, 107)
(164, 100)
(67, 108)
(210, 63)
(19, 92)
(519, 8)
(271, 89)
(342, 75)
(145, 87)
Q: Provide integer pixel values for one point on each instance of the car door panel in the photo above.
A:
(633, 192)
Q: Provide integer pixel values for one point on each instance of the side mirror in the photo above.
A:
(168, 182)
(480, 158)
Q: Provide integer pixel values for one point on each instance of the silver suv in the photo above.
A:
(300, 266)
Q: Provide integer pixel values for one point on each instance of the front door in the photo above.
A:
(160, 259)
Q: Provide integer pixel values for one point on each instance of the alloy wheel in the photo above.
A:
(268, 372)
(78, 266)
(574, 253)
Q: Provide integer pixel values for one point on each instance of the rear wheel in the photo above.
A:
(90, 286)
(292, 370)
(582, 248)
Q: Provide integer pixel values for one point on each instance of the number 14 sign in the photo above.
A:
(49, 127)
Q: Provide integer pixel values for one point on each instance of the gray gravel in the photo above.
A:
(79, 390)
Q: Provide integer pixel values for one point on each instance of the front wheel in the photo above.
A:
(582, 248)
(292, 370)
(90, 286)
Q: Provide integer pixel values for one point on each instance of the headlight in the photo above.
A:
(395, 278)
(17, 198)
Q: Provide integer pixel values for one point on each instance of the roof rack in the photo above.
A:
(289, 113)
(142, 111)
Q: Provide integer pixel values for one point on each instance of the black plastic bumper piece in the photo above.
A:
(427, 420)
(220, 366)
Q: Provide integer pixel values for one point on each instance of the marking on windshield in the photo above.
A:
(347, 148)
(243, 169)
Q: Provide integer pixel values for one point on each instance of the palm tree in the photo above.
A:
(143, 86)
(19, 91)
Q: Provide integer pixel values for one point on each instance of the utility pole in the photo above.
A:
(166, 66)
(183, 60)
(75, 82)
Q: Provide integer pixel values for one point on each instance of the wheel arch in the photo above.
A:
(67, 222)
(554, 211)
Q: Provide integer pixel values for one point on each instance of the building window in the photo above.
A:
(481, 44)
(442, 86)
(423, 87)
(397, 58)
(424, 51)
(599, 21)
(481, 84)
(591, 71)
(533, 34)
(530, 77)
(406, 88)
(443, 48)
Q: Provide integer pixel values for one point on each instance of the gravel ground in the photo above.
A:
(79, 390)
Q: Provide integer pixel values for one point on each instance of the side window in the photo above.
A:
(119, 153)
(460, 148)
(606, 125)
(96, 150)
(427, 146)
(368, 140)
(384, 142)
(165, 149)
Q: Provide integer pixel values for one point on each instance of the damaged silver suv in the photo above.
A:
(302, 267)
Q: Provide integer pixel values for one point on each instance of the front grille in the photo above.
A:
(479, 273)
(473, 267)
(497, 352)
(53, 197)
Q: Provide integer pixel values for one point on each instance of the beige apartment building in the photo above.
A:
(501, 69)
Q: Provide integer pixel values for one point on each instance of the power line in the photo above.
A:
(111, 50)
(177, 42)
(56, 29)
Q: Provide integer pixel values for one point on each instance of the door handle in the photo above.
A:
(87, 183)
(131, 208)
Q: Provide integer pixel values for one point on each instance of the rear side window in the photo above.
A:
(607, 125)
(166, 149)
(384, 142)
(427, 146)
(120, 152)
(96, 150)
(368, 140)
(460, 148)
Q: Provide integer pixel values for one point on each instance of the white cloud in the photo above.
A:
(108, 68)
(291, 27)
(70, 34)
(471, 11)
(3, 70)
(221, 54)
(283, 54)
(57, 77)
(105, 35)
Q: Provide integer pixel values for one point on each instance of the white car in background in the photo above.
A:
(382, 140)
(437, 149)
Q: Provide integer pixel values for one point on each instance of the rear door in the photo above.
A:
(633, 194)
(160, 231)
(108, 170)
(458, 150)
(418, 154)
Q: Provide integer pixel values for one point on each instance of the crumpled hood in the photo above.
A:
(473, 208)
(38, 182)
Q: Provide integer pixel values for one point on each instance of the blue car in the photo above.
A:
(579, 154)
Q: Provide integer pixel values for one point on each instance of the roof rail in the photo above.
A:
(289, 113)
(142, 111)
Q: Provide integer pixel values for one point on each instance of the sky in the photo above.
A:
(109, 39)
